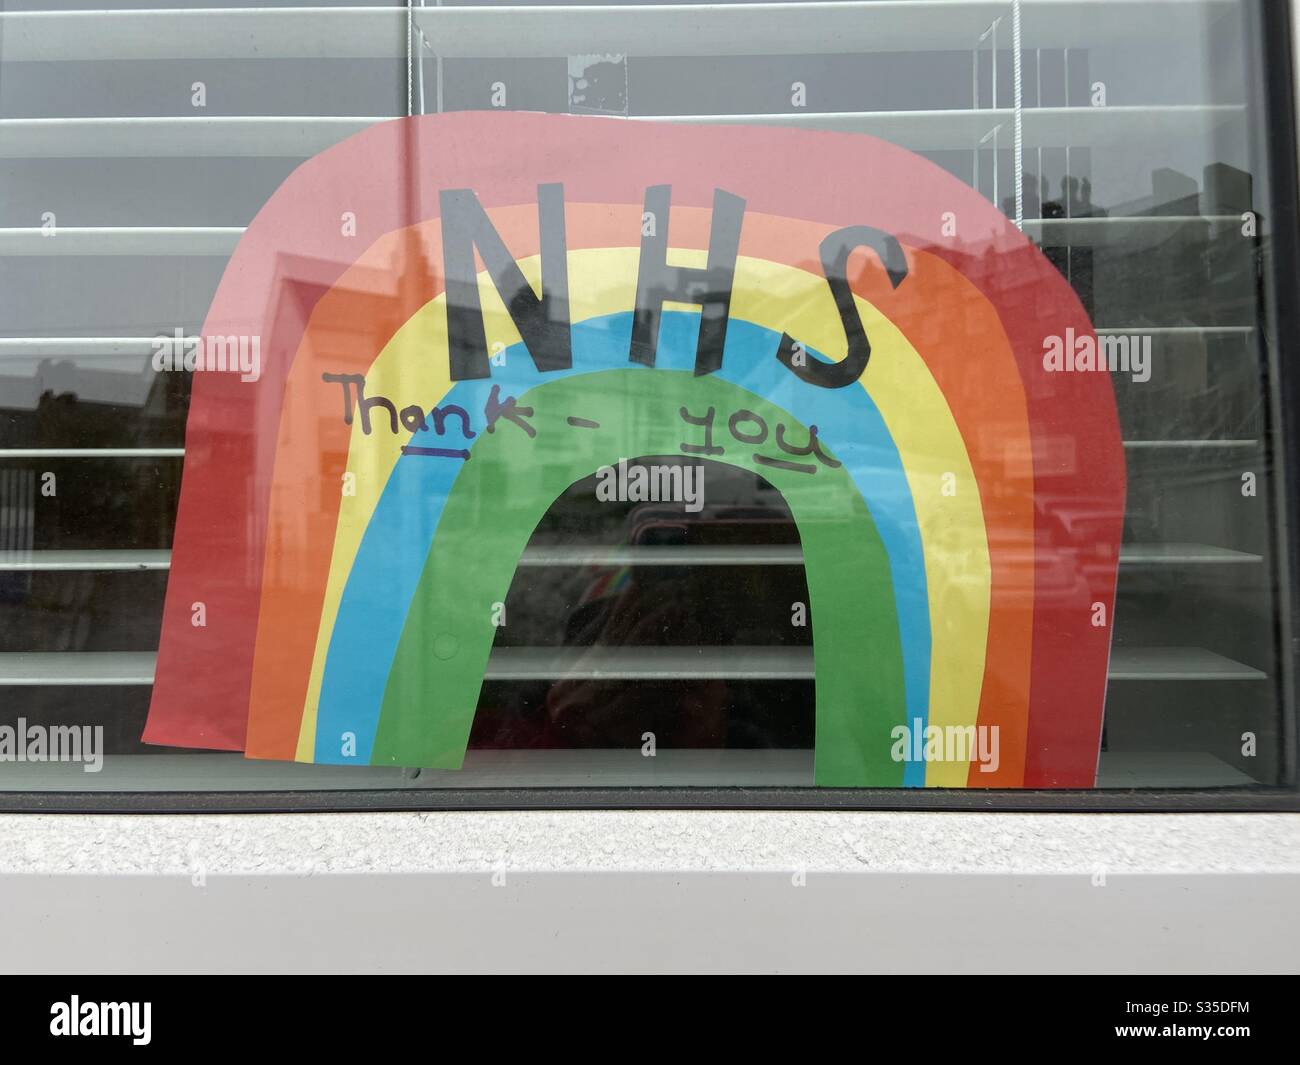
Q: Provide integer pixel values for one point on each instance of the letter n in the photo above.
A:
(542, 321)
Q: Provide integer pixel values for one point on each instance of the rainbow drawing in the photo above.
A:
(960, 516)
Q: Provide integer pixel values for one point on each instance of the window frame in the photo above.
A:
(1275, 26)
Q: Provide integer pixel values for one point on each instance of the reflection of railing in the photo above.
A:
(515, 664)
(585, 768)
(208, 241)
(301, 136)
(539, 557)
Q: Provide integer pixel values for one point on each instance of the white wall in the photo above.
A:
(695, 891)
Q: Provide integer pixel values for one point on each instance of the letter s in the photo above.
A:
(835, 251)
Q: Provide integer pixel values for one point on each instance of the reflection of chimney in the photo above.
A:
(1227, 190)
(1168, 188)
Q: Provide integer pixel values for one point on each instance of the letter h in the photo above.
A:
(710, 287)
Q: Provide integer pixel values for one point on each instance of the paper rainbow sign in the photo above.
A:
(960, 533)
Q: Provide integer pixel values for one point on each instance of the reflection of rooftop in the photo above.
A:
(1134, 232)
(126, 382)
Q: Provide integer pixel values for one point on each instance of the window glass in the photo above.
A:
(804, 395)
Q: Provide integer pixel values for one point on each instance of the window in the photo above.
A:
(788, 397)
